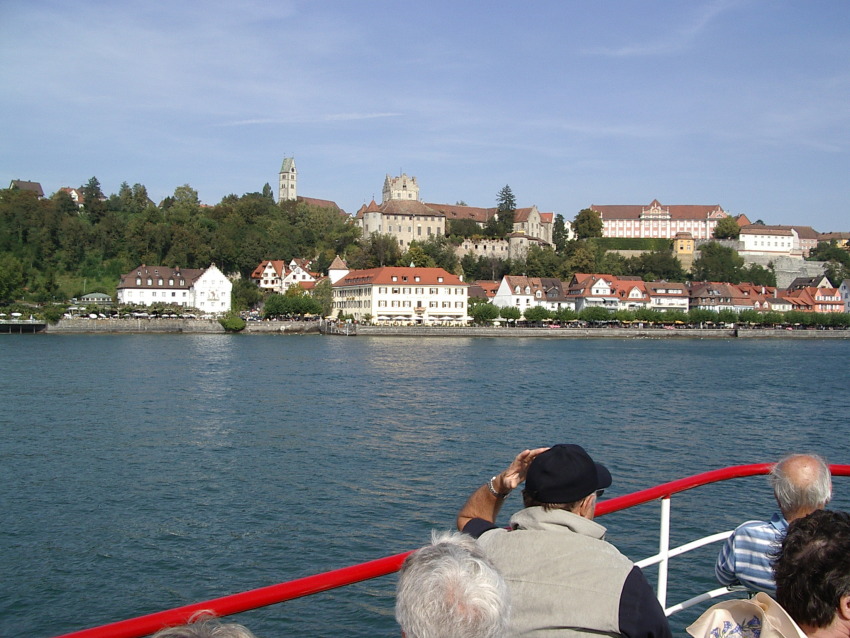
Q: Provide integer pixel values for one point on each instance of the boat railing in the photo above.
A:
(256, 598)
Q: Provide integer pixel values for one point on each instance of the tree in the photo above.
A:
(245, 295)
(93, 203)
(11, 277)
(758, 275)
(559, 233)
(462, 228)
(587, 224)
(484, 313)
(506, 200)
(717, 263)
(594, 314)
(536, 314)
(506, 205)
(727, 228)
(582, 259)
(377, 250)
(275, 306)
(511, 313)
(323, 294)
(542, 262)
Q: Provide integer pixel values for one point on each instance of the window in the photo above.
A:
(150, 281)
(416, 278)
(439, 280)
(394, 278)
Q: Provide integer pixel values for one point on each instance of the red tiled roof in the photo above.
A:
(278, 264)
(455, 211)
(404, 275)
(633, 211)
(321, 203)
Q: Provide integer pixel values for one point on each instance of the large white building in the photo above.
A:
(403, 215)
(402, 295)
(770, 241)
(205, 289)
(657, 221)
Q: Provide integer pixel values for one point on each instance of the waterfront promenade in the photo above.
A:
(200, 326)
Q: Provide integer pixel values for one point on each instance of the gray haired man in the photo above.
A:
(448, 589)
(801, 484)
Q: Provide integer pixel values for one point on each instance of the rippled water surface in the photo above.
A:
(141, 472)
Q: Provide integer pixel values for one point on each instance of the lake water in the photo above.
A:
(142, 472)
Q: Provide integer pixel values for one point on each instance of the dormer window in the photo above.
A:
(517, 289)
(150, 281)
(395, 278)
(416, 278)
(159, 281)
(439, 280)
(138, 281)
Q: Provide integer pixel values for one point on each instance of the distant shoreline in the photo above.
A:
(200, 326)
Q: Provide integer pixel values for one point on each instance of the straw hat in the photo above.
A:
(757, 617)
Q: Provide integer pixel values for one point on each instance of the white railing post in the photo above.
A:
(664, 551)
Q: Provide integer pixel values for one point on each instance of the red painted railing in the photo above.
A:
(245, 601)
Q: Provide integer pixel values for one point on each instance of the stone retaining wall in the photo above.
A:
(200, 326)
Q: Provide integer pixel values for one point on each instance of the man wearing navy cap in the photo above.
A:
(565, 579)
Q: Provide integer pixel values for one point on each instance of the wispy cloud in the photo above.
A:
(672, 42)
(311, 119)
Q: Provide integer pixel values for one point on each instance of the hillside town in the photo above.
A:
(426, 294)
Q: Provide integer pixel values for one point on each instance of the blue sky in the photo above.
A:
(741, 103)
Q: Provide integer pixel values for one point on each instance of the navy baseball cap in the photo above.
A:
(565, 474)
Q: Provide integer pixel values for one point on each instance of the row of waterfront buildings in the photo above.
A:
(430, 296)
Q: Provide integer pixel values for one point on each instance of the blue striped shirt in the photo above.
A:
(746, 556)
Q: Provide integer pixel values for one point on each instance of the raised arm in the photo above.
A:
(485, 502)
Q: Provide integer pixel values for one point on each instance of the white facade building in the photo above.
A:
(770, 241)
(206, 289)
(657, 221)
(667, 296)
(402, 295)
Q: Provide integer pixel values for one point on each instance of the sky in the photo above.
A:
(739, 103)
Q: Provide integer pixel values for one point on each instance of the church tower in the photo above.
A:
(288, 181)
(403, 187)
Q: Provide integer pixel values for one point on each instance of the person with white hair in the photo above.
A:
(204, 625)
(801, 484)
(449, 589)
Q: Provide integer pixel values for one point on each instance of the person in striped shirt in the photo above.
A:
(801, 484)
